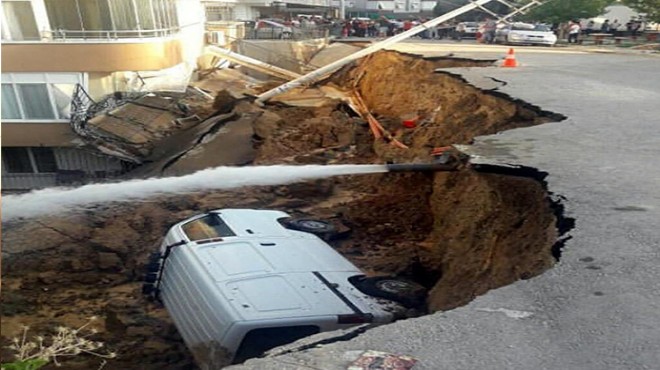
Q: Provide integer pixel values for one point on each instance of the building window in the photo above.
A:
(9, 103)
(36, 103)
(38, 96)
(17, 160)
(219, 12)
(44, 158)
(29, 160)
(110, 18)
(19, 20)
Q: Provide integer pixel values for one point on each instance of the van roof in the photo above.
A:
(255, 224)
(241, 257)
(268, 278)
(273, 272)
(295, 295)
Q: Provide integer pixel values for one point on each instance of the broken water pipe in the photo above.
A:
(57, 200)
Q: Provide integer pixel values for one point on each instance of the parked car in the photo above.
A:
(525, 33)
(273, 28)
(238, 282)
(469, 29)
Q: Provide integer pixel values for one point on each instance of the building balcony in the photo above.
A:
(99, 35)
(38, 134)
(93, 55)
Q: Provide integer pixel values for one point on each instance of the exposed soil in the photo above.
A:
(459, 233)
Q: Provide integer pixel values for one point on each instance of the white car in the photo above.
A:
(238, 282)
(469, 29)
(525, 33)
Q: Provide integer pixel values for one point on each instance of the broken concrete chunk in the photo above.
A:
(376, 360)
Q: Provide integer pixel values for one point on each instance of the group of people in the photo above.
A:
(634, 27)
(385, 27)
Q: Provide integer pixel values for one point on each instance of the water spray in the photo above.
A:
(54, 201)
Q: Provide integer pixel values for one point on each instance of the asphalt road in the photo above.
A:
(599, 308)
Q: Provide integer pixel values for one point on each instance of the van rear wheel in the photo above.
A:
(406, 292)
(316, 227)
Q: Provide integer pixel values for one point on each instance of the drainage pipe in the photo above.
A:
(317, 74)
(252, 63)
(420, 167)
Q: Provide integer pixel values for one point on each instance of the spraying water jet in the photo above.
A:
(61, 200)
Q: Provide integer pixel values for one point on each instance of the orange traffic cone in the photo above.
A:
(510, 60)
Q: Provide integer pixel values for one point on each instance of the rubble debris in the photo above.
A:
(132, 126)
(377, 360)
(232, 80)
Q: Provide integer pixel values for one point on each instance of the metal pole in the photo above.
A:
(317, 74)
(523, 8)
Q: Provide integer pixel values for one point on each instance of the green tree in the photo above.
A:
(557, 11)
(650, 8)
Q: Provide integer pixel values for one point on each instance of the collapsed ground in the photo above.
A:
(458, 233)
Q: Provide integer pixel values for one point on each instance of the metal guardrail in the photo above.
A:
(81, 103)
(83, 107)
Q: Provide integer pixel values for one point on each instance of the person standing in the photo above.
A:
(489, 30)
(614, 27)
(460, 31)
(605, 28)
(346, 29)
(408, 24)
(383, 27)
(590, 27)
(635, 28)
(573, 32)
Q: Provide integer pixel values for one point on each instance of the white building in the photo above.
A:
(49, 47)
(388, 7)
(246, 10)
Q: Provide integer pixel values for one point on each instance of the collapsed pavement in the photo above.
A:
(459, 234)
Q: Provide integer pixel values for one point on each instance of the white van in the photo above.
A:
(238, 282)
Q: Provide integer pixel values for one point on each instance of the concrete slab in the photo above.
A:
(231, 145)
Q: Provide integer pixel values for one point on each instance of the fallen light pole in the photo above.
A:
(319, 73)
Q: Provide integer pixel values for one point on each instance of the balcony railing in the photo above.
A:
(62, 35)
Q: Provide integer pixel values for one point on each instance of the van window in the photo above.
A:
(258, 341)
(207, 227)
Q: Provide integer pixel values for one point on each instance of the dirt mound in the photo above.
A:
(448, 111)
(460, 233)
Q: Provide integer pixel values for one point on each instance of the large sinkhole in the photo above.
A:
(458, 233)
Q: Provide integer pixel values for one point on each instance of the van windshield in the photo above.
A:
(207, 227)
